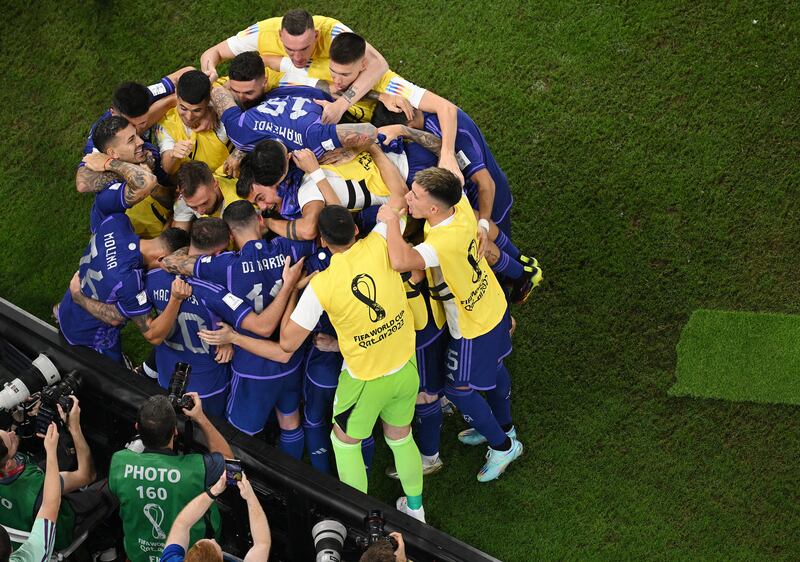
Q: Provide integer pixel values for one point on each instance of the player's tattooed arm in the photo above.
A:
(139, 182)
(221, 100)
(179, 262)
(425, 139)
(353, 135)
(304, 228)
(87, 181)
(142, 321)
(104, 312)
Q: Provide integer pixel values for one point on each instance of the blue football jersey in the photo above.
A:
(473, 155)
(111, 272)
(210, 303)
(294, 120)
(255, 275)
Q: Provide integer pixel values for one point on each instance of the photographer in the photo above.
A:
(21, 485)
(39, 545)
(154, 485)
(382, 551)
(208, 550)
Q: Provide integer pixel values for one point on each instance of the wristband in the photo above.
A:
(484, 224)
(211, 495)
(317, 175)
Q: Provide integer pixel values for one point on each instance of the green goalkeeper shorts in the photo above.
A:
(358, 404)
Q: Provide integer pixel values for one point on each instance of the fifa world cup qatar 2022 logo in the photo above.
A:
(472, 258)
(363, 287)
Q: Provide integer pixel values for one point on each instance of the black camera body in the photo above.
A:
(53, 396)
(374, 527)
(178, 383)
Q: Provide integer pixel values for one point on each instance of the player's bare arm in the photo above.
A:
(88, 181)
(486, 188)
(304, 228)
(307, 161)
(392, 178)
(232, 163)
(212, 57)
(139, 181)
(426, 140)
(155, 329)
(356, 134)
(447, 113)
(104, 312)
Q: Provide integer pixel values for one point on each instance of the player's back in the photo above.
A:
(201, 311)
(110, 271)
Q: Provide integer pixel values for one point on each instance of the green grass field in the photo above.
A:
(652, 148)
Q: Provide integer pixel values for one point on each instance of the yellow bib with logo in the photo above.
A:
(362, 170)
(148, 217)
(424, 308)
(366, 303)
(478, 297)
(207, 148)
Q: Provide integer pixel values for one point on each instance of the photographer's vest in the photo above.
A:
(478, 297)
(18, 501)
(366, 303)
(152, 489)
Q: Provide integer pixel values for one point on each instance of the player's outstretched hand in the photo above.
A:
(292, 273)
(180, 289)
(305, 280)
(96, 161)
(332, 112)
(212, 74)
(397, 104)
(305, 160)
(75, 283)
(224, 353)
(221, 336)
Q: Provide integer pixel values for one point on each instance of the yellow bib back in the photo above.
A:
(366, 303)
(362, 169)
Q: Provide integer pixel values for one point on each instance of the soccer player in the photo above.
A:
(477, 313)
(365, 301)
(141, 105)
(121, 155)
(306, 41)
(259, 275)
(210, 376)
(249, 79)
(111, 272)
(347, 64)
(191, 130)
(293, 119)
(201, 193)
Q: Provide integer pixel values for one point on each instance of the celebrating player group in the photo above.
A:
(319, 238)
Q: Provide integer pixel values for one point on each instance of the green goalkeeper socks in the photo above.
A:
(409, 467)
(350, 463)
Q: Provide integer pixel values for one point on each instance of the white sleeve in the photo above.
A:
(380, 228)
(182, 212)
(308, 310)
(402, 87)
(246, 40)
(428, 254)
(165, 140)
(308, 192)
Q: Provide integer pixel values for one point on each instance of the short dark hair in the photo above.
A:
(157, 422)
(174, 238)
(380, 551)
(297, 21)
(239, 214)
(382, 116)
(268, 162)
(246, 66)
(5, 545)
(194, 87)
(131, 99)
(192, 175)
(441, 184)
(105, 131)
(348, 47)
(336, 225)
(244, 185)
(209, 233)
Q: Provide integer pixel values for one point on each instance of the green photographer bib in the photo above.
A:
(152, 489)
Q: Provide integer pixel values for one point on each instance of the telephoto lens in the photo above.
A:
(329, 536)
(42, 373)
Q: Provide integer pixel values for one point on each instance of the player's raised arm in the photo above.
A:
(447, 113)
(392, 178)
(212, 56)
(139, 181)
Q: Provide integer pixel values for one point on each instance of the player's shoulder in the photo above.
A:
(326, 24)
(203, 286)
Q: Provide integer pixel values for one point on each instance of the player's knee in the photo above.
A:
(395, 433)
(288, 421)
(339, 434)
